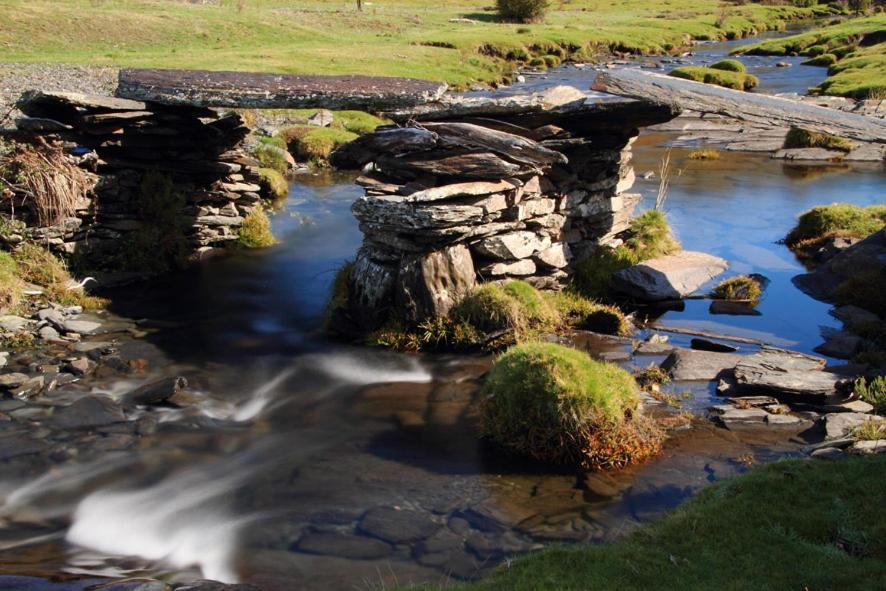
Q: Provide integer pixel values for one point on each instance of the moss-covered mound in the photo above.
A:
(800, 138)
(724, 78)
(742, 288)
(314, 144)
(555, 404)
(729, 66)
(839, 219)
(273, 183)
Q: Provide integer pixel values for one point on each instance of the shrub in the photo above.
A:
(11, 285)
(556, 404)
(729, 66)
(727, 79)
(800, 138)
(741, 288)
(838, 219)
(873, 392)
(256, 230)
(273, 183)
(160, 243)
(522, 11)
(704, 155)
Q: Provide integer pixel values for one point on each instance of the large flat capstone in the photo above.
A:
(671, 277)
(254, 90)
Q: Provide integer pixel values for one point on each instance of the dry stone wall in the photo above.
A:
(487, 196)
(119, 141)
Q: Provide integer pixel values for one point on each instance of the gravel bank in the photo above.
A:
(17, 78)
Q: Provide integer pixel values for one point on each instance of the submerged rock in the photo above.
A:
(398, 526)
(343, 545)
(89, 412)
(670, 277)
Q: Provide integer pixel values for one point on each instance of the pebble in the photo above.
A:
(877, 446)
(80, 326)
(9, 381)
(828, 453)
(398, 526)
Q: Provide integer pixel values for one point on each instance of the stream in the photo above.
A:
(296, 457)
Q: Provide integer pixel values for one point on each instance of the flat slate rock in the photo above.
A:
(840, 424)
(691, 365)
(671, 277)
(778, 371)
(89, 412)
(255, 90)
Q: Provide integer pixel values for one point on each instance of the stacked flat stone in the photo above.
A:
(488, 192)
(121, 140)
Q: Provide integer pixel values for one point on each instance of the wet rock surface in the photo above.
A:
(671, 277)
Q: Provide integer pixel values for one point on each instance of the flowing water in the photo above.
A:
(288, 440)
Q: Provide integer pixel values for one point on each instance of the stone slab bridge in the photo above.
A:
(462, 189)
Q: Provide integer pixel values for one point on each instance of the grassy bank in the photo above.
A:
(854, 51)
(418, 38)
(800, 524)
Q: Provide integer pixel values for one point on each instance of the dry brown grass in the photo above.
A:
(51, 184)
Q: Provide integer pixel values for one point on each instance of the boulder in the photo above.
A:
(556, 256)
(839, 343)
(788, 373)
(322, 118)
(863, 257)
(430, 285)
(688, 364)
(669, 277)
(89, 412)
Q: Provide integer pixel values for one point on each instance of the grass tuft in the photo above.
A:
(273, 184)
(800, 138)
(256, 230)
(742, 288)
(706, 154)
(838, 219)
(315, 145)
(729, 66)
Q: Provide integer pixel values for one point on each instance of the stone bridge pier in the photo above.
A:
(468, 190)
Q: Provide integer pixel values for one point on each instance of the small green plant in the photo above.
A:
(873, 392)
(652, 376)
(742, 288)
(256, 230)
(38, 266)
(522, 11)
(800, 138)
(556, 404)
(23, 341)
(729, 66)
(273, 184)
(870, 431)
(704, 155)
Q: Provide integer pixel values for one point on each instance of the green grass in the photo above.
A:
(552, 403)
(268, 153)
(317, 144)
(838, 219)
(648, 237)
(394, 38)
(800, 138)
(273, 183)
(856, 68)
(794, 524)
(724, 78)
(706, 154)
(11, 285)
(256, 230)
